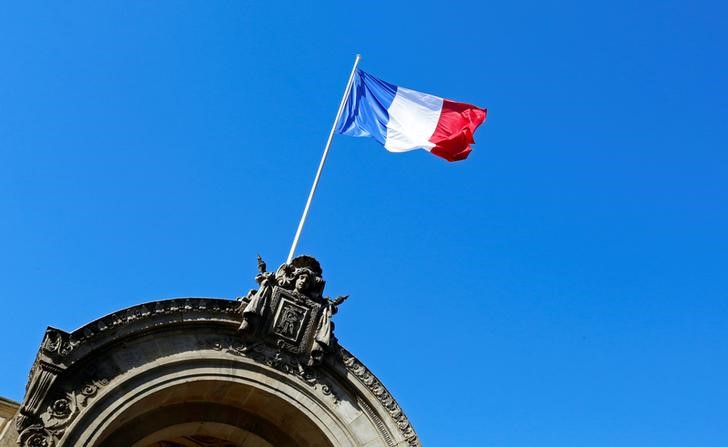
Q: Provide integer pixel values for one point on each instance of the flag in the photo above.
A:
(403, 120)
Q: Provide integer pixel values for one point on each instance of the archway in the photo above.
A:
(225, 410)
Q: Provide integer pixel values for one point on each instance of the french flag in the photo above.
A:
(403, 120)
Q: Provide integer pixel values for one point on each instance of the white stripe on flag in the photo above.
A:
(413, 117)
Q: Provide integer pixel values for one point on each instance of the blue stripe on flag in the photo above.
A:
(366, 113)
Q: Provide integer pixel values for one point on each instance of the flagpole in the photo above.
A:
(323, 159)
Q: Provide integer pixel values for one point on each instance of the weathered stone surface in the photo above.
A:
(8, 410)
(166, 370)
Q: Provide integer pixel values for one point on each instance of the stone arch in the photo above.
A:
(213, 389)
(177, 369)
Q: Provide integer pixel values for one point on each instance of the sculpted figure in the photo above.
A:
(325, 331)
(302, 278)
(253, 311)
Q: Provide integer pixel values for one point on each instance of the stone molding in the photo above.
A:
(368, 379)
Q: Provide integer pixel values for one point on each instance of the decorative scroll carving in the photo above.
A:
(279, 359)
(289, 310)
(58, 415)
(89, 391)
(375, 386)
(56, 344)
(36, 436)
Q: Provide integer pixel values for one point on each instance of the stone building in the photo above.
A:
(264, 370)
(8, 409)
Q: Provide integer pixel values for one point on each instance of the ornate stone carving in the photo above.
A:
(289, 310)
(52, 423)
(279, 359)
(61, 409)
(145, 311)
(43, 375)
(89, 391)
(56, 344)
(36, 436)
(375, 386)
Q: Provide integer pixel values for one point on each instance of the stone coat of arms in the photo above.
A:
(289, 310)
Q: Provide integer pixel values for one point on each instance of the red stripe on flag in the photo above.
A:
(454, 132)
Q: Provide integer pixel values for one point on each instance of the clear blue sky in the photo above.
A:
(565, 286)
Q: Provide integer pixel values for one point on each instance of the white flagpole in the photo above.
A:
(323, 159)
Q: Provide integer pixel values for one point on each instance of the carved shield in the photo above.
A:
(292, 320)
